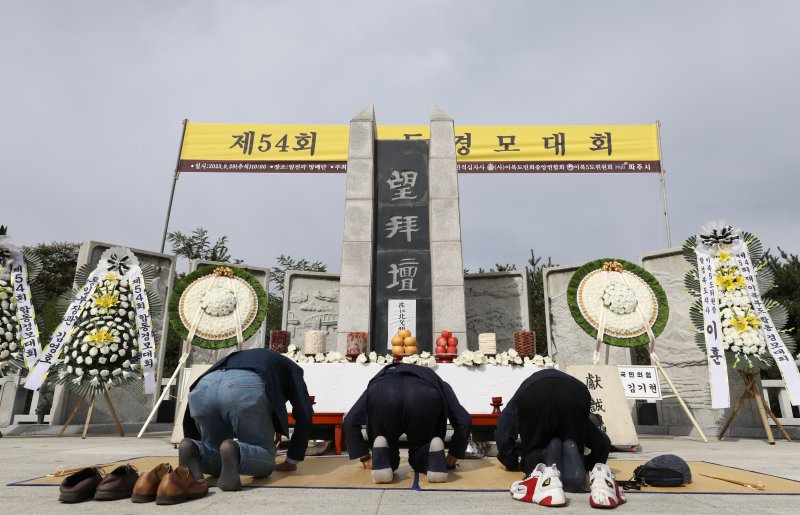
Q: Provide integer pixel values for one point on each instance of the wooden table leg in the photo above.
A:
(88, 418)
(113, 412)
(337, 438)
(71, 416)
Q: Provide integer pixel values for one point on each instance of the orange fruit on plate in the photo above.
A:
(404, 333)
(398, 349)
(410, 341)
(410, 349)
(397, 340)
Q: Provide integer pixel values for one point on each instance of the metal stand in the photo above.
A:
(752, 392)
(165, 391)
(89, 415)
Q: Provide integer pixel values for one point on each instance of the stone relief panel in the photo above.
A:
(497, 303)
(683, 360)
(312, 305)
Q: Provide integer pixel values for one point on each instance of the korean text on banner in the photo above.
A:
(260, 148)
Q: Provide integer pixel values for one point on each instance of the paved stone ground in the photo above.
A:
(32, 456)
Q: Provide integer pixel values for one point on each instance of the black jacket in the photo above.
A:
(283, 381)
(508, 424)
(456, 414)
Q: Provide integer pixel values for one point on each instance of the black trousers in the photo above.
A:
(557, 408)
(401, 403)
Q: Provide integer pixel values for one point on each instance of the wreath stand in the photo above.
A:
(654, 359)
(89, 414)
(751, 391)
(165, 389)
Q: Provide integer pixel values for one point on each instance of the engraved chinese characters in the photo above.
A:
(402, 266)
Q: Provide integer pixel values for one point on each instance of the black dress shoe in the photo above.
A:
(118, 484)
(80, 486)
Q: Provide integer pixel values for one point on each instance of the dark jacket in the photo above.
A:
(456, 414)
(508, 423)
(283, 381)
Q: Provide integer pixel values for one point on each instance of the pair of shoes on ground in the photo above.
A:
(382, 466)
(90, 483)
(162, 485)
(543, 486)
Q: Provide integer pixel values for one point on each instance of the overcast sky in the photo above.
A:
(93, 94)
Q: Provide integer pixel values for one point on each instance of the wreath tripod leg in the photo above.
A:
(113, 411)
(71, 416)
(165, 392)
(88, 419)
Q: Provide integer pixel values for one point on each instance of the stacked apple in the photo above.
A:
(447, 343)
(403, 343)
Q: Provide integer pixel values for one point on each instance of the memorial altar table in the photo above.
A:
(337, 386)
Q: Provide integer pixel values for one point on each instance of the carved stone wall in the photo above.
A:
(311, 303)
(496, 303)
(684, 361)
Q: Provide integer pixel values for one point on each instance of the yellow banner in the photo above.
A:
(209, 147)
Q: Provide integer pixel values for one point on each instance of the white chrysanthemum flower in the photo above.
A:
(538, 360)
(93, 351)
(78, 371)
(361, 358)
(104, 373)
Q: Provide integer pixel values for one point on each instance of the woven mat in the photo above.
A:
(471, 475)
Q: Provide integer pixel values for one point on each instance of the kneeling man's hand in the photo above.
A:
(451, 461)
(286, 467)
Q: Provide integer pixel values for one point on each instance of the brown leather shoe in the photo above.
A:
(79, 486)
(117, 484)
(179, 486)
(146, 487)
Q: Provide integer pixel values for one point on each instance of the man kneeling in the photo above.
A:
(413, 400)
(244, 395)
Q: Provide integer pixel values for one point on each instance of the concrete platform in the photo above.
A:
(32, 456)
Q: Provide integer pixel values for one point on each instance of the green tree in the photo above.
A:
(276, 276)
(59, 260)
(535, 279)
(197, 245)
(786, 268)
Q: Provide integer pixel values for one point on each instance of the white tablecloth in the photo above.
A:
(337, 386)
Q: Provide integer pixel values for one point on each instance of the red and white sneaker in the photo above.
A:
(605, 490)
(542, 486)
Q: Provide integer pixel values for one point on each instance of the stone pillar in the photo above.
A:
(201, 356)
(447, 264)
(356, 270)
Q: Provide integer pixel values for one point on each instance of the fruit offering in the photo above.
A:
(447, 343)
(403, 343)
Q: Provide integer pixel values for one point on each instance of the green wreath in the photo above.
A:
(174, 307)
(660, 297)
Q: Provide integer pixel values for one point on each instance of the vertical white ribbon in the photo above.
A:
(237, 316)
(63, 333)
(26, 316)
(775, 345)
(144, 328)
(712, 330)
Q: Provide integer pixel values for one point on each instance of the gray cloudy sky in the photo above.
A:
(93, 93)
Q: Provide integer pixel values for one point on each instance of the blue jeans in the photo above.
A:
(232, 403)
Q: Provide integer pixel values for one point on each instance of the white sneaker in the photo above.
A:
(542, 486)
(605, 491)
